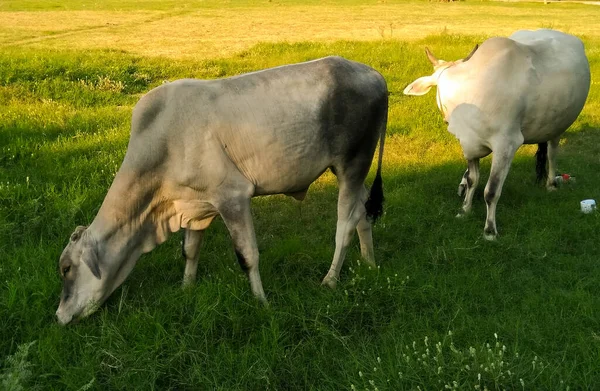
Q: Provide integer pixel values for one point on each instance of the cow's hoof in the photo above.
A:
(188, 282)
(370, 263)
(263, 301)
(551, 188)
(490, 236)
(329, 282)
(462, 213)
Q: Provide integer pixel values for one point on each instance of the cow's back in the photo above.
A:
(280, 127)
(535, 82)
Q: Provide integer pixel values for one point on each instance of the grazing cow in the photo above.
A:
(202, 148)
(525, 89)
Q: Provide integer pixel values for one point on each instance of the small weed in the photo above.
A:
(487, 366)
(17, 370)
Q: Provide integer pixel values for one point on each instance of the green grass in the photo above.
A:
(64, 118)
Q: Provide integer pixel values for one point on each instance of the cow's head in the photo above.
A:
(80, 269)
(422, 85)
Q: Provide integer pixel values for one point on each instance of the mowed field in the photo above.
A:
(445, 309)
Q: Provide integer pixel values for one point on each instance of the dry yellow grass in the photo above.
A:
(215, 32)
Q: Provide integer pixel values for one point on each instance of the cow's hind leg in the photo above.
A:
(471, 180)
(351, 210)
(501, 160)
(365, 233)
(238, 219)
(552, 153)
(190, 249)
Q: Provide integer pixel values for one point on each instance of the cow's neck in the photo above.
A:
(134, 217)
(448, 91)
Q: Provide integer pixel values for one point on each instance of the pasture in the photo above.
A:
(445, 309)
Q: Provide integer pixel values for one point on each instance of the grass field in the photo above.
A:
(445, 309)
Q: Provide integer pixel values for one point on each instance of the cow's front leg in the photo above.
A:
(501, 161)
(462, 186)
(470, 181)
(190, 249)
(238, 218)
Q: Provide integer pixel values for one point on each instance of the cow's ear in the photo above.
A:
(90, 257)
(77, 234)
(421, 86)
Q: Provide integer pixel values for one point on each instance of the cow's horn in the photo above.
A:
(431, 57)
(472, 52)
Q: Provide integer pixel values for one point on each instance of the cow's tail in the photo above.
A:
(374, 204)
(541, 156)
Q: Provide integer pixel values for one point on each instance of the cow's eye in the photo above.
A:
(65, 270)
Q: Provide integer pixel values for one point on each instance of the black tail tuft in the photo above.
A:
(374, 204)
(540, 161)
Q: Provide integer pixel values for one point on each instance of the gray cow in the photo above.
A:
(202, 148)
(525, 89)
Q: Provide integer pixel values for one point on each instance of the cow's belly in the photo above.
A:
(282, 158)
(288, 175)
(553, 106)
(547, 123)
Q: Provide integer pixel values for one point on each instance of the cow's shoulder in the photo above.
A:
(148, 108)
(163, 101)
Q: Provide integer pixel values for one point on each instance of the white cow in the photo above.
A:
(203, 148)
(525, 89)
